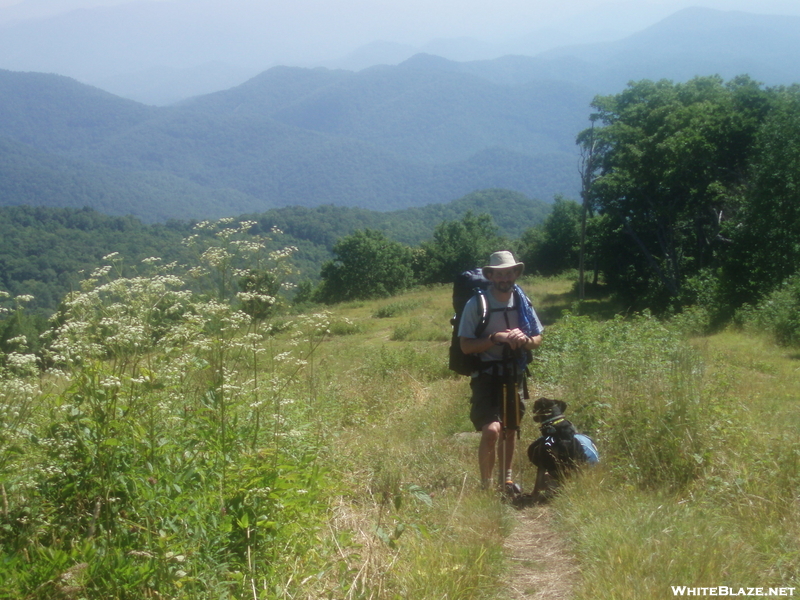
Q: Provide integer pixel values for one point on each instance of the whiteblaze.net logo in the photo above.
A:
(723, 590)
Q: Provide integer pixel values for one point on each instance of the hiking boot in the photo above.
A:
(511, 489)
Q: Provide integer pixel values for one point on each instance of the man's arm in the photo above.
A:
(513, 337)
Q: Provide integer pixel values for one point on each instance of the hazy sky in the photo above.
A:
(105, 46)
(486, 19)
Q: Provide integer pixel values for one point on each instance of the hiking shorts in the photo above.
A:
(496, 399)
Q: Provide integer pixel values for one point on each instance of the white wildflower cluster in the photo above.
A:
(227, 233)
(22, 365)
(253, 339)
(111, 382)
(283, 253)
(256, 297)
(246, 247)
(100, 272)
(20, 341)
(229, 386)
(313, 325)
(121, 316)
(19, 302)
(216, 256)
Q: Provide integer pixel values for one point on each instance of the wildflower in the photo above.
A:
(100, 272)
(111, 382)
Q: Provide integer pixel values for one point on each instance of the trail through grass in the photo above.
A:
(332, 457)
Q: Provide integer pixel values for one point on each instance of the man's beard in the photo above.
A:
(504, 286)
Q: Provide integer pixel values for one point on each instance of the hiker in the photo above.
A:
(498, 386)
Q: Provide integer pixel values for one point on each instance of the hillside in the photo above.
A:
(425, 131)
(34, 178)
(384, 139)
(43, 250)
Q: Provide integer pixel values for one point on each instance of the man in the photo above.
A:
(498, 386)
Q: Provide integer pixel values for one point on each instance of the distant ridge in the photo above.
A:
(385, 138)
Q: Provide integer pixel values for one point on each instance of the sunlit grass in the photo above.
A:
(350, 464)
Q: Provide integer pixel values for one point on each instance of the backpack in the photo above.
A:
(466, 285)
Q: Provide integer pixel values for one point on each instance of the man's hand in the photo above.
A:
(515, 338)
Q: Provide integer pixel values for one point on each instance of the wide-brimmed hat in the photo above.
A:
(503, 260)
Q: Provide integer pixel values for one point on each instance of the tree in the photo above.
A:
(672, 163)
(366, 265)
(590, 148)
(457, 246)
(554, 247)
(765, 248)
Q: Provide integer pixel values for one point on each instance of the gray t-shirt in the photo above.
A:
(502, 316)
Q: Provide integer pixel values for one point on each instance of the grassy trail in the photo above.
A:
(186, 452)
(685, 504)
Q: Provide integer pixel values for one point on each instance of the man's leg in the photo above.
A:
(511, 444)
(490, 435)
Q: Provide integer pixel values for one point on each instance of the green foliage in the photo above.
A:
(554, 247)
(766, 238)
(635, 386)
(456, 247)
(43, 250)
(366, 265)
(778, 314)
(161, 463)
(672, 160)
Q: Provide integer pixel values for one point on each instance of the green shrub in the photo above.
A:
(778, 314)
(346, 327)
(635, 386)
(399, 307)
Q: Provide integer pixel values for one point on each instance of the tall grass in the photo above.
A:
(175, 444)
(698, 487)
(166, 459)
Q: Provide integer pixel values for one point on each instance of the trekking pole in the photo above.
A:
(517, 400)
(502, 466)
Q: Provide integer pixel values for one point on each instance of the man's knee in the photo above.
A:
(491, 431)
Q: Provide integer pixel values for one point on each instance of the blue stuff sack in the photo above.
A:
(589, 449)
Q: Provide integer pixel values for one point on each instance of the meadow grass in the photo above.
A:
(333, 457)
(648, 519)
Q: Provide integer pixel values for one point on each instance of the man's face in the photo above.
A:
(503, 279)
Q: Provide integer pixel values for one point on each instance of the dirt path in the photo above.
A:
(541, 565)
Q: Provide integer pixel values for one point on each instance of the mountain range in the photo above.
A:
(427, 130)
(383, 138)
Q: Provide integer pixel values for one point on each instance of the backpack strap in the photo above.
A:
(483, 311)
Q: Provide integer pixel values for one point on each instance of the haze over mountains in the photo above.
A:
(162, 52)
(426, 130)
